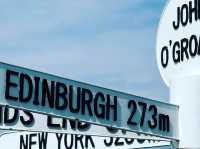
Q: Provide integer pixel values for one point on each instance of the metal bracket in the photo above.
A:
(174, 144)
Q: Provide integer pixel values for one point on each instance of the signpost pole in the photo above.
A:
(174, 144)
(178, 57)
(186, 92)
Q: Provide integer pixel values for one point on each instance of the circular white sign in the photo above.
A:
(178, 40)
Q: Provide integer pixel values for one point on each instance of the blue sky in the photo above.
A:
(109, 43)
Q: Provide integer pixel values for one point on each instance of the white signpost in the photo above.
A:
(48, 94)
(178, 57)
(26, 140)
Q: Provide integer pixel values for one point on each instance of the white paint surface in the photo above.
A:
(165, 33)
(183, 77)
(186, 93)
(52, 142)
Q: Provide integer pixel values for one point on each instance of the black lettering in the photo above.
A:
(198, 9)
(83, 126)
(87, 140)
(108, 143)
(9, 120)
(132, 105)
(72, 124)
(193, 41)
(129, 141)
(36, 91)
(164, 57)
(50, 123)
(176, 52)
(140, 141)
(23, 143)
(144, 107)
(79, 139)
(48, 93)
(112, 130)
(61, 94)
(10, 84)
(64, 123)
(99, 98)
(28, 88)
(111, 107)
(1, 114)
(164, 122)
(199, 43)
(31, 142)
(177, 23)
(118, 142)
(71, 99)
(184, 10)
(153, 123)
(59, 138)
(193, 10)
(30, 119)
(42, 140)
(87, 98)
(69, 146)
(184, 47)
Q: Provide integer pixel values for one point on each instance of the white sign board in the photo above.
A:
(48, 94)
(178, 40)
(70, 141)
(19, 120)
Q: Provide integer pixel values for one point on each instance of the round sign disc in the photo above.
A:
(178, 40)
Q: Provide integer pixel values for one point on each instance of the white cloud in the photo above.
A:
(108, 43)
